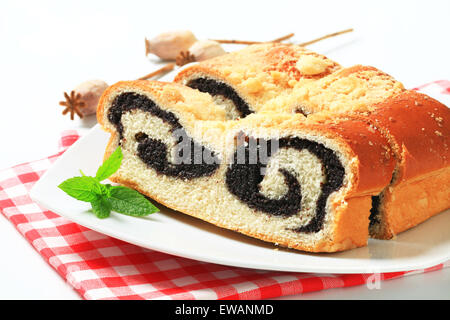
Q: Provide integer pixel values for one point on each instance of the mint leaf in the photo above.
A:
(107, 189)
(83, 188)
(111, 165)
(105, 197)
(130, 202)
(101, 207)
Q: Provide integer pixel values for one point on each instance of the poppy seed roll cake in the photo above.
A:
(366, 93)
(279, 178)
(284, 145)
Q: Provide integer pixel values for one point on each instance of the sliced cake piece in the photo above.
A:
(278, 178)
(418, 128)
(418, 131)
(337, 167)
(242, 81)
(134, 114)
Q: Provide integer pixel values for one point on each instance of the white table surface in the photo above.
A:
(48, 47)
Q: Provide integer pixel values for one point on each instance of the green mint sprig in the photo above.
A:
(105, 198)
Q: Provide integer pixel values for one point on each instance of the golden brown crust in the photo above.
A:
(358, 69)
(419, 126)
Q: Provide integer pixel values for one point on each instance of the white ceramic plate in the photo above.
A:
(178, 234)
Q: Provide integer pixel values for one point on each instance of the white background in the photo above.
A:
(47, 47)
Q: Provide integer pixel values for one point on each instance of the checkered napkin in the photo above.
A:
(101, 267)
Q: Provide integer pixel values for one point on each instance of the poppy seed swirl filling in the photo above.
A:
(154, 152)
(216, 88)
(244, 179)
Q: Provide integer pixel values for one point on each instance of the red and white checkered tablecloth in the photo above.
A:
(101, 267)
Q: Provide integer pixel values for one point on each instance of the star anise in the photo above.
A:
(184, 57)
(73, 104)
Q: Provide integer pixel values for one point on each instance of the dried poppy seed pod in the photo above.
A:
(90, 92)
(206, 49)
(169, 44)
